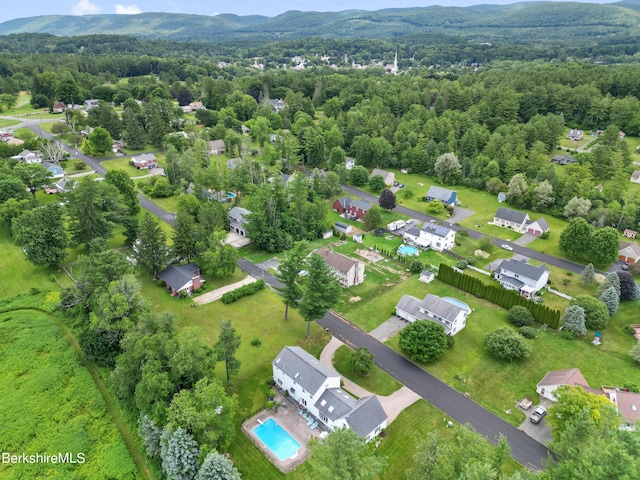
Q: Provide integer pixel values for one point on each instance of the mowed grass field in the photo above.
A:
(498, 385)
(50, 404)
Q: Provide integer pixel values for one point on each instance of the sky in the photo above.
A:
(32, 8)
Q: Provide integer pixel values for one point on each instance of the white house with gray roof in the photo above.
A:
(431, 235)
(452, 317)
(316, 388)
(237, 220)
(522, 277)
(505, 217)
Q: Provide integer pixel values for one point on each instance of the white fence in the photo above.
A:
(479, 270)
(560, 294)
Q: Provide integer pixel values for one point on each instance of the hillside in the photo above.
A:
(531, 22)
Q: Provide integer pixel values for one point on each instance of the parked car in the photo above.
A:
(507, 247)
(538, 414)
(625, 266)
(401, 185)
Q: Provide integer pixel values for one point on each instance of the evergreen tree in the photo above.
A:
(180, 455)
(226, 347)
(611, 299)
(289, 274)
(217, 467)
(320, 290)
(573, 320)
(151, 249)
(185, 237)
(611, 280)
(588, 277)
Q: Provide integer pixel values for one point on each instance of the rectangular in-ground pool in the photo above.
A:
(277, 439)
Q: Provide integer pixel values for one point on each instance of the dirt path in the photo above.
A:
(217, 294)
(110, 403)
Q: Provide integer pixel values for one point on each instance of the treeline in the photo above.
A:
(498, 295)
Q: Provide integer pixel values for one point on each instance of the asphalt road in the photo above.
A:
(551, 260)
(460, 408)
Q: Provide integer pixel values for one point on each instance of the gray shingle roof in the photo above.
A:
(511, 215)
(366, 416)
(335, 403)
(340, 262)
(410, 305)
(305, 369)
(361, 204)
(440, 307)
(439, 193)
(524, 269)
(177, 276)
(413, 231)
(238, 214)
(345, 202)
(543, 224)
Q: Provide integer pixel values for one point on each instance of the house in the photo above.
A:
(146, 160)
(316, 388)
(505, 217)
(452, 317)
(351, 208)
(58, 107)
(632, 234)
(117, 145)
(28, 156)
(627, 403)
(388, 177)
(349, 272)
(621, 135)
(537, 227)
(65, 185)
(563, 159)
(237, 220)
(349, 163)
(182, 278)
(556, 378)
(216, 147)
(502, 197)
(197, 106)
(522, 277)
(635, 177)
(56, 170)
(277, 105)
(426, 276)
(5, 135)
(575, 134)
(431, 235)
(233, 163)
(629, 252)
(445, 195)
(89, 104)
(343, 228)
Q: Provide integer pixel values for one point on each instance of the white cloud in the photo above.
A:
(127, 9)
(85, 7)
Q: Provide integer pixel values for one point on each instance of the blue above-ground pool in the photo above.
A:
(457, 303)
(277, 439)
(408, 250)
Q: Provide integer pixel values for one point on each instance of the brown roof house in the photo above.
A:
(349, 272)
(629, 252)
(388, 177)
(182, 278)
(556, 378)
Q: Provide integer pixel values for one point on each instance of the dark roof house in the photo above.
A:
(181, 278)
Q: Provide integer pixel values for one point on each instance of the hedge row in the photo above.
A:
(243, 291)
(498, 295)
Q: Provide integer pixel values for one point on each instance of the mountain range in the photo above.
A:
(529, 22)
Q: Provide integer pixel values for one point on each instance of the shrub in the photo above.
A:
(520, 316)
(528, 332)
(567, 335)
(506, 344)
(416, 266)
(545, 235)
(256, 342)
(243, 291)
(424, 341)
(461, 264)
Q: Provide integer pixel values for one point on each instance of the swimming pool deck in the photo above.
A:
(289, 419)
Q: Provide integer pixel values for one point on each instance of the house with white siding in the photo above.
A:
(451, 316)
(522, 277)
(316, 387)
(431, 235)
(348, 271)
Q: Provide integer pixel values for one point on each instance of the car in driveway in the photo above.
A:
(507, 247)
(538, 414)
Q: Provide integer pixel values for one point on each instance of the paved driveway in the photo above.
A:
(525, 239)
(388, 329)
(541, 432)
(459, 214)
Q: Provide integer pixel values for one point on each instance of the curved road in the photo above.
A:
(524, 449)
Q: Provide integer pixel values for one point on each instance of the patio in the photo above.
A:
(288, 417)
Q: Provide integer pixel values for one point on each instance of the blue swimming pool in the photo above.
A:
(408, 250)
(457, 303)
(231, 195)
(277, 439)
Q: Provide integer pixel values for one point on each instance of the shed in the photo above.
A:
(343, 228)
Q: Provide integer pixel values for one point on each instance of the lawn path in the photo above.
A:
(217, 294)
(112, 407)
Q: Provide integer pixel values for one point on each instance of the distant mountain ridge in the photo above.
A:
(528, 22)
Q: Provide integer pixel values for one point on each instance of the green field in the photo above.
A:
(50, 404)
(4, 123)
(499, 385)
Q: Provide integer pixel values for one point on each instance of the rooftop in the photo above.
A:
(305, 369)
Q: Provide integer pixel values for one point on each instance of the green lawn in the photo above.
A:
(50, 404)
(8, 123)
(376, 381)
(18, 275)
(499, 385)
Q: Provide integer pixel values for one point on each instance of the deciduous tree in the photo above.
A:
(627, 286)
(387, 199)
(226, 347)
(604, 247)
(361, 360)
(41, 232)
(342, 454)
(596, 314)
(33, 175)
(575, 239)
(373, 218)
(220, 258)
(376, 183)
(424, 341)
(506, 344)
(448, 168)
